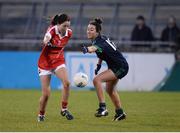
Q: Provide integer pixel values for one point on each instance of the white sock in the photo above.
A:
(63, 109)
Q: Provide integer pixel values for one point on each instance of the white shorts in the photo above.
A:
(49, 72)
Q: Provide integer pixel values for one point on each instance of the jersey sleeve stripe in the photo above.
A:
(98, 48)
(111, 45)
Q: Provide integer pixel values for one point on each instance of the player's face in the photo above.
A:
(140, 22)
(171, 22)
(63, 27)
(91, 32)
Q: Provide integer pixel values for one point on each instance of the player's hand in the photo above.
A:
(84, 49)
(49, 44)
(46, 44)
(97, 69)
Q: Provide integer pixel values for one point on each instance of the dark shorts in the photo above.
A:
(120, 72)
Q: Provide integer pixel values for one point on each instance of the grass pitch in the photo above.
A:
(146, 111)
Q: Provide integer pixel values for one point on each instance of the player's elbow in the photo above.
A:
(46, 39)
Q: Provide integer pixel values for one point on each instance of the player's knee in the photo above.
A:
(96, 80)
(66, 84)
(109, 91)
(46, 93)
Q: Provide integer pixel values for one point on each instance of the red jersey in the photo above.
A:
(53, 55)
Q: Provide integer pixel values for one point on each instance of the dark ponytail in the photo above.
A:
(98, 20)
(97, 23)
(54, 20)
(59, 19)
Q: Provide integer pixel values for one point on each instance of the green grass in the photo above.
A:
(146, 111)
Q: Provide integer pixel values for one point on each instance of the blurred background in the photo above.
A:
(146, 31)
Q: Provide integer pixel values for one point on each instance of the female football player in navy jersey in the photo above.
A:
(117, 68)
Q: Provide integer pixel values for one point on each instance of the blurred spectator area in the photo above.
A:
(28, 19)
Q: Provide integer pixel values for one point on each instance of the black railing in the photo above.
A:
(75, 45)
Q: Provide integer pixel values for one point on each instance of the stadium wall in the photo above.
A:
(18, 70)
(171, 81)
(146, 70)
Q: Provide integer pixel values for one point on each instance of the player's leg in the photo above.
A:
(102, 77)
(119, 114)
(113, 93)
(45, 85)
(62, 74)
(105, 76)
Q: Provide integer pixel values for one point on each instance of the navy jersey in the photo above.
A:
(107, 51)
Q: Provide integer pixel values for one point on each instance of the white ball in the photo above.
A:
(80, 79)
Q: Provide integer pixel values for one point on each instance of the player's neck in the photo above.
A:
(94, 38)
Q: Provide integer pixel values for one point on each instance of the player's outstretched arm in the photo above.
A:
(92, 49)
(89, 49)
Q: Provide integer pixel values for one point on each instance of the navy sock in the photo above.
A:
(102, 105)
(119, 111)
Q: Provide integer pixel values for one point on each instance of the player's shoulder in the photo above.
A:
(100, 40)
(69, 32)
(103, 37)
(51, 28)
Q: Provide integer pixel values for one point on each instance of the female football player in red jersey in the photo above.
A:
(52, 61)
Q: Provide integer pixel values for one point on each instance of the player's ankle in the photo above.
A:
(119, 111)
(41, 112)
(102, 105)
